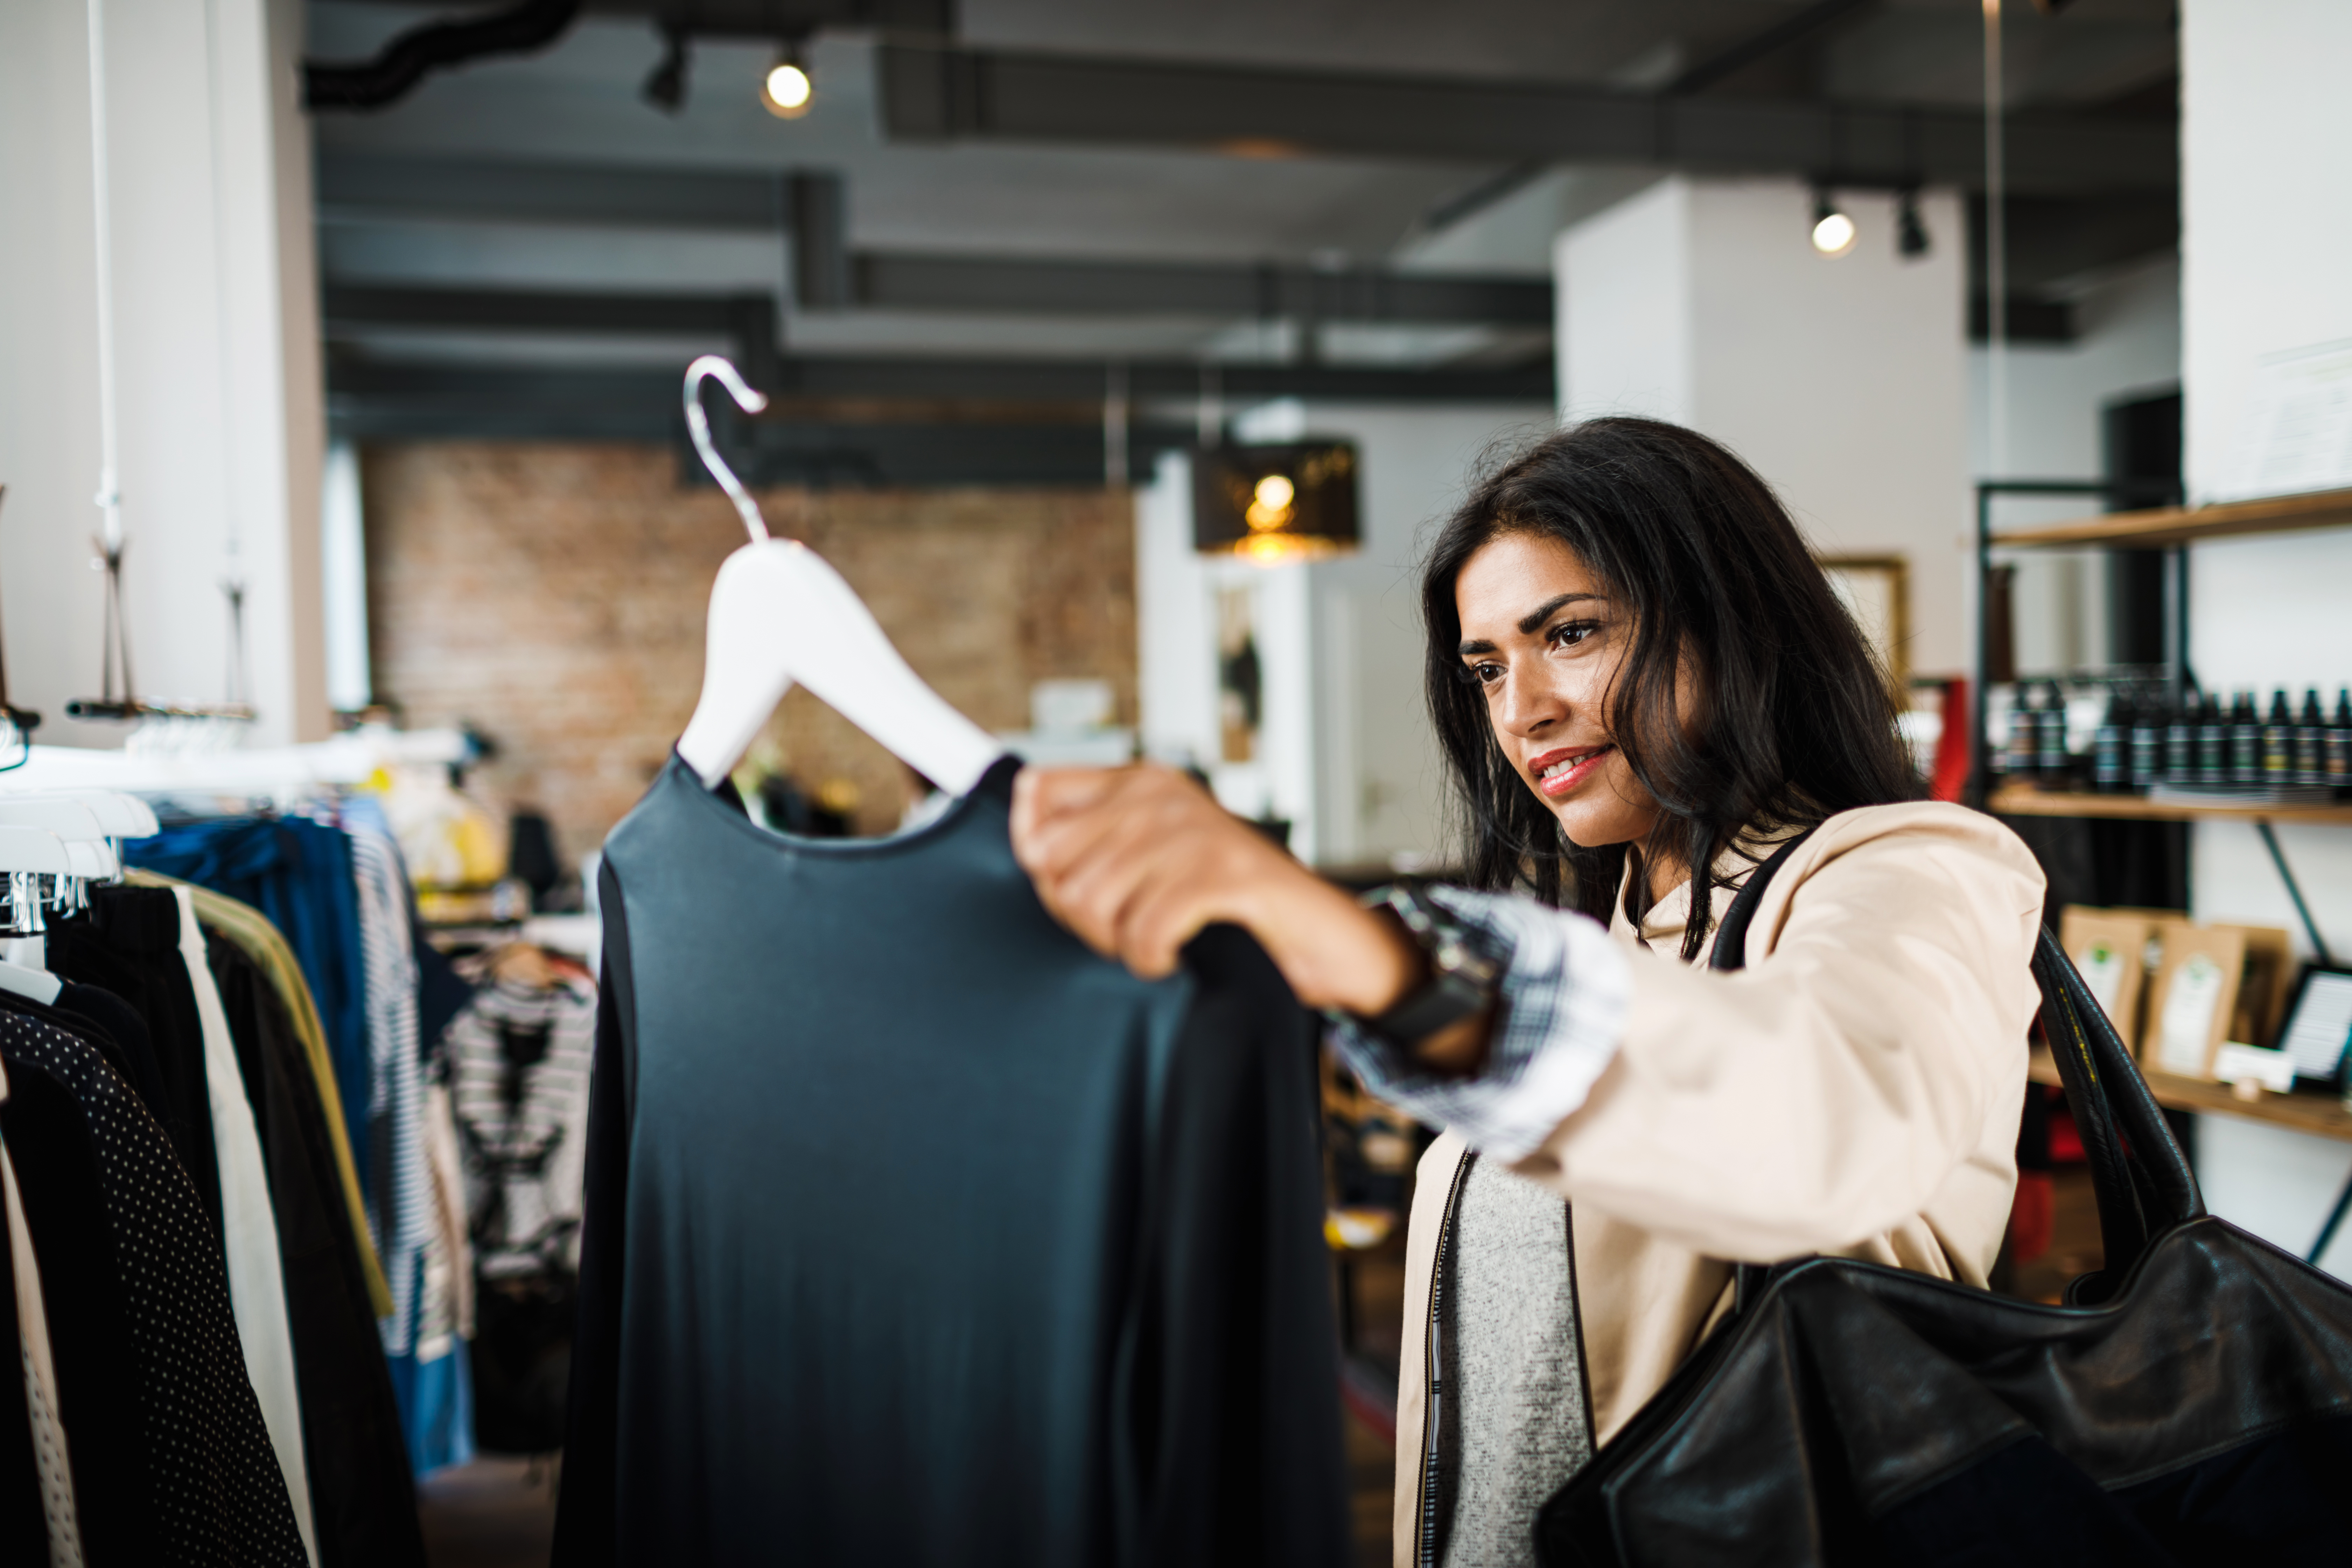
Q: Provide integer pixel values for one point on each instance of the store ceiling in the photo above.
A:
(1063, 184)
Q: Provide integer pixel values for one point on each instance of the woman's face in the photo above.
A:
(1544, 642)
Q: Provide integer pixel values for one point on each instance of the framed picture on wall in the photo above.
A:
(1877, 590)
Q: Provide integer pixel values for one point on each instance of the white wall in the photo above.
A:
(1348, 755)
(2127, 345)
(1841, 380)
(217, 357)
(2266, 237)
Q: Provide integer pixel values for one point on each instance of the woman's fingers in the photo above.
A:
(1040, 795)
(1138, 856)
(1137, 860)
(1104, 843)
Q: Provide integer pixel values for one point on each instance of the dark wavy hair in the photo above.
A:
(1793, 717)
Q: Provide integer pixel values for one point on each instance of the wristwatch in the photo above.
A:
(1462, 980)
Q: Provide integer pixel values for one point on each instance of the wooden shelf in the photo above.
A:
(2180, 525)
(2322, 1115)
(2024, 800)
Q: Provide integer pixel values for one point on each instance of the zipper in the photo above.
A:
(1433, 1405)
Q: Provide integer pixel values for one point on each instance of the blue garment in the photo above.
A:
(437, 1407)
(299, 873)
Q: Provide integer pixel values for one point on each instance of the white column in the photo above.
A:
(2266, 239)
(1840, 380)
(217, 383)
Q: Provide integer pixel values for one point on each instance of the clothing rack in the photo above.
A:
(281, 772)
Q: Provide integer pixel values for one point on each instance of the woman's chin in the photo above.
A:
(1591, 824)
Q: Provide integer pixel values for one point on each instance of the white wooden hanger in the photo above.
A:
(781, 614)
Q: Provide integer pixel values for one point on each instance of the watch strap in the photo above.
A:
(1462, 980)
(1442, 1000)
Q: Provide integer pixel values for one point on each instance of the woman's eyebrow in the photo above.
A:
(1543, 612)
(1531, 620)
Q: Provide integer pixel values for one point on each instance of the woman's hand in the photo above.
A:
(1136, 860)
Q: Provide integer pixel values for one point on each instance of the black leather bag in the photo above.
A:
(2190, 1403)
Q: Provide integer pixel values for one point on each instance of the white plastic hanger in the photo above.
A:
(781, 614)
(26, 854)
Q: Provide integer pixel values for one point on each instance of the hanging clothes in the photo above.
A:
(250, 929)
(398, 1184)
(215, 1492)
(256, 1285)
(50, 1141)
(917, 1233)
(129, 946)
(44, 1426)
(419, 1336)
(363, 1495)
(439, 1394)
(519, 1068)
(24, 1523)
(299, 874)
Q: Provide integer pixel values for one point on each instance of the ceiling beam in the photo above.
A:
(883, 281)
(943, 93)
(808, 204)
(369, 397)
(1736, 58)
(365, 185)
(922, 282)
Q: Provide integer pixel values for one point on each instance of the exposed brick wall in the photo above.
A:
(554, 596)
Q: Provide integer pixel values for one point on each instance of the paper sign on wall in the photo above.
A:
(2294, 432)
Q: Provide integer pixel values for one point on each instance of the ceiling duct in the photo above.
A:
(532, 24)
(401, 64)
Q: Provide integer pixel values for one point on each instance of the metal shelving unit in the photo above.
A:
(2173, 529)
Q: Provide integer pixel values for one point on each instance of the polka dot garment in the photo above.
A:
(213, 1482)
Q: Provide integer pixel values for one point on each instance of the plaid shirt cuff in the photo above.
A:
(1564, 989)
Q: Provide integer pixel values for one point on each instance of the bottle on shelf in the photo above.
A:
(2213, 743)
(2311, 740)
(2016, 755)
(2278, 742)
(2339, 742)
(2111, 745)
(2180, 742)
(2049, 736)
(2245, 739)
(2146, 743)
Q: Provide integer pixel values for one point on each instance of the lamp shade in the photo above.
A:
(1273, 504)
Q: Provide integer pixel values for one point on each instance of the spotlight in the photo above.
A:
(1910, 234)
(664, 89)
(786, 90)
(1833, 230)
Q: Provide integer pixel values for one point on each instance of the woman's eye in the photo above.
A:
(1483, 673)
(1567, 634)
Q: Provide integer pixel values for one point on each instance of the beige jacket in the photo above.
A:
(1855, 1091)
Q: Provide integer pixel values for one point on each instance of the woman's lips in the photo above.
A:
(1558, 773)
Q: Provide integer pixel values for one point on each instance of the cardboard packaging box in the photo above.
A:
(2110, 948)
(2193, 1000)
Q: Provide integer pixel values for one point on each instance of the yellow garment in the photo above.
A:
(261, 941)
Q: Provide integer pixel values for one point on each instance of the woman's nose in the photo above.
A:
(1530, 707)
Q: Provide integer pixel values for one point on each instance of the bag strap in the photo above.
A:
(1730, 952)
(2143, 1181)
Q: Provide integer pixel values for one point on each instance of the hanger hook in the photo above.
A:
(717, 367)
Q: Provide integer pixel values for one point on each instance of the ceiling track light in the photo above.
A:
(664, 85)
(786, 92)
(1910, 234)
(1834, 231)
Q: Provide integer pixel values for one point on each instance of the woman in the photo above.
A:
(1643, 685)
